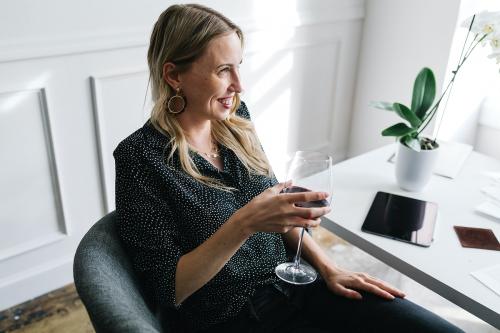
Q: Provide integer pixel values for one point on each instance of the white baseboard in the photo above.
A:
(36, 282)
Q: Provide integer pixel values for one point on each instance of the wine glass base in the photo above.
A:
(304, 274)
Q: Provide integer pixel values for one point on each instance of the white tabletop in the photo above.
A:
(445, 266)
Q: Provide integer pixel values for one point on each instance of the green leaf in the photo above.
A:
(381, 105)
(411, 142)
(407, 114)
(399, 129)
(424, 91)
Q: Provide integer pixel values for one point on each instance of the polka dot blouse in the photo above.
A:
(164, 213)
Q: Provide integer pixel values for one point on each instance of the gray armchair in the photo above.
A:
(107, 285)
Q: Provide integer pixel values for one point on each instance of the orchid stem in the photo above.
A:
(430, 115)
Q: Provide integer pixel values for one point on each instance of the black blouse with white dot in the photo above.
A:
(163, 213)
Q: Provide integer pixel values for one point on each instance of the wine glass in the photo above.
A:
(308, 171)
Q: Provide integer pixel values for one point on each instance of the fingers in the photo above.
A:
(348, 293)
(363, 285)
(305, 197)
(385, 286)
(311, 213)
(316, 223)
(315, 210)
(280, 186)
(304, 223)
(365, 282)
(342, 281)
(292, 223)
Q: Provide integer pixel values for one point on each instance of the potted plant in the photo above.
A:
(417, 154)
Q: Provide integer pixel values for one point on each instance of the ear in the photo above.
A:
(171, 76)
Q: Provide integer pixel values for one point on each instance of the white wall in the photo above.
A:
(399, 38)
(72, 83)
(479, 78)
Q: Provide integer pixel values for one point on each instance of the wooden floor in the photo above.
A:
(56, 312)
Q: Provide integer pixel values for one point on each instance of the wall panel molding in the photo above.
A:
(66, 45)
(28, 48)
(63, 228)
(30, 246)
(32, 271)
(103, 133)
(49, 142)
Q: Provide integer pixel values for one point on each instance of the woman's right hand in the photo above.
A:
(273, 211)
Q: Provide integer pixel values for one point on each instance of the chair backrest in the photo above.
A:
(107, 284)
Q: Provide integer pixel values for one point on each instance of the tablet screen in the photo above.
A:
(402, 218)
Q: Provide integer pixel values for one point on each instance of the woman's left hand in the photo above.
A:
(345, 283)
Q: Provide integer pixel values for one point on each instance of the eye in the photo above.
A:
(224, 70)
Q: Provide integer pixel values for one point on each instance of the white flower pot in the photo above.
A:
(414, 169)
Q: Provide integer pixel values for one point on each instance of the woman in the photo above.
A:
(201, 213)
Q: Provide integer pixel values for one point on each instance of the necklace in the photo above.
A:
(212, 154)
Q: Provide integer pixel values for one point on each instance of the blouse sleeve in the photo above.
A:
(146, 224)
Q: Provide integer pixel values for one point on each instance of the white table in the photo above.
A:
(445, 266)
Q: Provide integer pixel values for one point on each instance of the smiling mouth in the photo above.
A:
(226, 102)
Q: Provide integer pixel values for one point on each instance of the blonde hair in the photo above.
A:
(180, 36)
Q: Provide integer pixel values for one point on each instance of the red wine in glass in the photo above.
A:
(307, 204)
(307, 170)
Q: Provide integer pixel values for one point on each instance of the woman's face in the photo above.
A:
(213, 80)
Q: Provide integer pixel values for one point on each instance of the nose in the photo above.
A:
(236, 85)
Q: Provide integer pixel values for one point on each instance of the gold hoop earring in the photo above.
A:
(176, 104)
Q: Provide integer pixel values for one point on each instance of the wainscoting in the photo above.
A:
(73, 83)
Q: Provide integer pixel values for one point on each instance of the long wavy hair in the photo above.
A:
(180, 36)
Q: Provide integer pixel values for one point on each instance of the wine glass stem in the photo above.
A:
(299, 249)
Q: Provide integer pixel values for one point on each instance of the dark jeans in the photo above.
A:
(314, 308)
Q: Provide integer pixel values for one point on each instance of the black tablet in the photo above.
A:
(402, 218)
